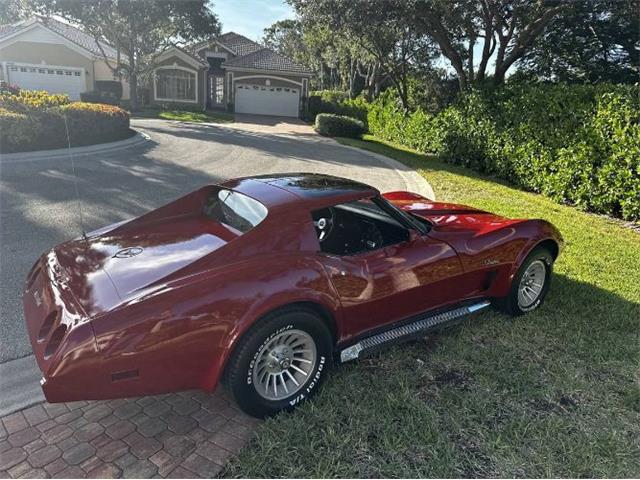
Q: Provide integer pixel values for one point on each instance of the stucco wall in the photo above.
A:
(61, 56)
(48, 54)
(201, 87)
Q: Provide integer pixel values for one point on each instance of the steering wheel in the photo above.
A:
(324, 225)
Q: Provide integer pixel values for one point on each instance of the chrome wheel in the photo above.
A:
(284, 364)
(532, 283)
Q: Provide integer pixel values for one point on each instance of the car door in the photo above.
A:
(382, 286)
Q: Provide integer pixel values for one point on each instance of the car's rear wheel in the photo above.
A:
(279, 362)
(530, 284)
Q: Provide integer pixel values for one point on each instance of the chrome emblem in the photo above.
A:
(128, 252)
(490, 262)
(37, 298)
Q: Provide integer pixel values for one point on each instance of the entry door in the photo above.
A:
(216, 91)
(267, 100)
(67, 80)
(384, 286)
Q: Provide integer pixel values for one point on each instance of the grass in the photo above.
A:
(188, 116)
(551, 394)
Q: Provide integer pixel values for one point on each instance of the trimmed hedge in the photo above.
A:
(25, 100)
(338, 103)
(107, 91)
(37, 122)
(338, 125)
(577, 144)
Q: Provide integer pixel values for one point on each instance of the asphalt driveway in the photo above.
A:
(39, 207)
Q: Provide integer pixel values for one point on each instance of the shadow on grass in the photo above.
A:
(550, 394)
(419, 161)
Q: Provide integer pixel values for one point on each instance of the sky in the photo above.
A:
(250, 17)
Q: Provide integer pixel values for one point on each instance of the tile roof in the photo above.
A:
(189, 54)
(237, 43)
(250, 54)
(265, 59)
(69, 32)
(6, 30)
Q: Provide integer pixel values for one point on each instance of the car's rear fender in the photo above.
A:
(316, 293)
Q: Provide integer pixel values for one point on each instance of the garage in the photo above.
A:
(267, 100)
(69, 80)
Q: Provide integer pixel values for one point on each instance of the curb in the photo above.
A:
(138, 139)
(413, 181)
(20, 384)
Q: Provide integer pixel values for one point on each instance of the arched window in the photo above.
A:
(175, 84)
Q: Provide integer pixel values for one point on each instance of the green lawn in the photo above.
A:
(551, 394)
(188, 116)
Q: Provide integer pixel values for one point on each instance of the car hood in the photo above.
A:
(114, 264)
(449, 217)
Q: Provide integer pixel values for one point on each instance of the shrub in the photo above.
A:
(330, 96)
(91, 123)
(338, 103)
(29, 125)
(111, 88)
(338, 125)
(8, 89)
(95, 96)
(577, 144)
(107, 91)
(28, 99)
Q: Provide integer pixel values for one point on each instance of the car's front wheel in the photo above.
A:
(530, 284)
(279, 362)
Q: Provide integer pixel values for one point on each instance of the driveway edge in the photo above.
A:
(138, 139)
(19, 382)
(413, 180)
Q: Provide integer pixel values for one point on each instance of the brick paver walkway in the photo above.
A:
(189, 434)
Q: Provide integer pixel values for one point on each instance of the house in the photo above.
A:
(46, 54)
(233, 73)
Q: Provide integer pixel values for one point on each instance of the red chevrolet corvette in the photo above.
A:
(263, 282)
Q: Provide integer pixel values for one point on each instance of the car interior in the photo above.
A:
(356, 227)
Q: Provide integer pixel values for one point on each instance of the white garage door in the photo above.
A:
(263, 100)
(67, 80)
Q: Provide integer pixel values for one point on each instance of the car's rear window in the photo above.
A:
(234, 209)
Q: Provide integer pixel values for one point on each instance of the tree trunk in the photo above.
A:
(133, 90)
(377, 80)
(472, 44)
(352, 78)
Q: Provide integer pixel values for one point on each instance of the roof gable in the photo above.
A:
(70, 33)
(266, 59)
(182, 54)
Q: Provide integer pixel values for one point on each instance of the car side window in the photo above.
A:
(356, 227)
(234, 209)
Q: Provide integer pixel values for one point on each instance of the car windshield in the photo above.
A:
(418, 223)
(235, 209)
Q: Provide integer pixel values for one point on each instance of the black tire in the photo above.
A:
(239, 372)
(510, 304)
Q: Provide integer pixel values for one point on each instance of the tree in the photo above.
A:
(378, 27)
(12, 11)
(507, 28)
(140, 30)
(595, 40)
(286, 38)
